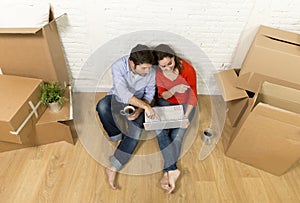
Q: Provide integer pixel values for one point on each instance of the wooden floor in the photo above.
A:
(61, 172)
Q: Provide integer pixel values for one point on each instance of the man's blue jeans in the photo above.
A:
(107, 109)
(170, 140)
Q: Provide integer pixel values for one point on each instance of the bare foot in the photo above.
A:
(173, 176)
(164, 182)
(111, 175)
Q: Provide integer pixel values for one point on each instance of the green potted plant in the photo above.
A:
(53, 95)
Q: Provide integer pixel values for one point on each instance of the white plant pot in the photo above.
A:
(55, 107)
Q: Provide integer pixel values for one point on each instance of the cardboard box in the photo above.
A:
(33, 52)
(236, 99)
(50, 127)
(37, 53)
(58, 126)
(20, 108)
(268, 135)
(252, 81)
(274, 53)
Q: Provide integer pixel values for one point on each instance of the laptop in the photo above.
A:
(168, 117)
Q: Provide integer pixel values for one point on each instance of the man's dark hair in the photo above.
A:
(141, 54)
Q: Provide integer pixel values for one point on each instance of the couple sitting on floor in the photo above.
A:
(135, 79)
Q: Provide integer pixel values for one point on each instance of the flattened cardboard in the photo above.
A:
(274, 53)
(268, 135)
(236, 99)
(33, 52)
(15, 94)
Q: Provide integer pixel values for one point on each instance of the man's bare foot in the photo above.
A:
(164, 182)
(111, 175)
(173, 176)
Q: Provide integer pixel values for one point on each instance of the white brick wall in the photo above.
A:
(221, 29)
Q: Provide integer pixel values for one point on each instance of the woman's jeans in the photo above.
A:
(170, 140)
(108, 109)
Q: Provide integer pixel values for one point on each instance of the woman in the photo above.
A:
(176, 84)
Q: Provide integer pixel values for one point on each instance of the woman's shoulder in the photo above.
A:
(187, 66)
(185, 62)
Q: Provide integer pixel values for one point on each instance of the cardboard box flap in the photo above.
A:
(274, 53)
(34, 53)
(278, 114)
(277, 45)
(280, 35)
(20, 89)
(280, 96)
(62, 115)
(252, 81)
(226, 81)
(19, 30)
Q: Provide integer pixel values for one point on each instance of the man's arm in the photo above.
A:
(142, 104)
(120, 88)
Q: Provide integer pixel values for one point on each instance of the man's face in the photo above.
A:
(142, 69)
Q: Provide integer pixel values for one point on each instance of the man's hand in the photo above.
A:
(136, 114)
(150, 113)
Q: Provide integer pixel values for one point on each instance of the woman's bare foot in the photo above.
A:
(164, 182)
(111, 175)
(173, 176)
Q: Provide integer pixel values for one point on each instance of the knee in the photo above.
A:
(102, 107)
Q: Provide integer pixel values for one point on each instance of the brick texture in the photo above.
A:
(214, 27)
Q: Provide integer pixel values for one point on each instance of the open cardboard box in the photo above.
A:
(236, 99)
(268, 135)
(238, 89)
(33, 52)
(253, 135)
(275, 54)
(37, 53)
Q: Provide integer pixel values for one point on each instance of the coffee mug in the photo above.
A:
(127, 111)
(207, 136)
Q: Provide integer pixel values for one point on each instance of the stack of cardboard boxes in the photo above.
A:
(29, 56)
(263, 101)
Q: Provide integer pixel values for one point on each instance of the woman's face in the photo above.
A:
(167, 64)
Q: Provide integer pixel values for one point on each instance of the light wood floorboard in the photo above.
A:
(61, 172)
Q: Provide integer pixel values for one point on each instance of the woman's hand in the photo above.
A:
(181, 88)
(185, 124)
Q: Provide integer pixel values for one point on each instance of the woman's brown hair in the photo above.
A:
(162, 51)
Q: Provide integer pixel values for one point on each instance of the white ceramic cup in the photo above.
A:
(127, 111)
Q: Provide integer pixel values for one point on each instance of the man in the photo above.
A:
(133, 83)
